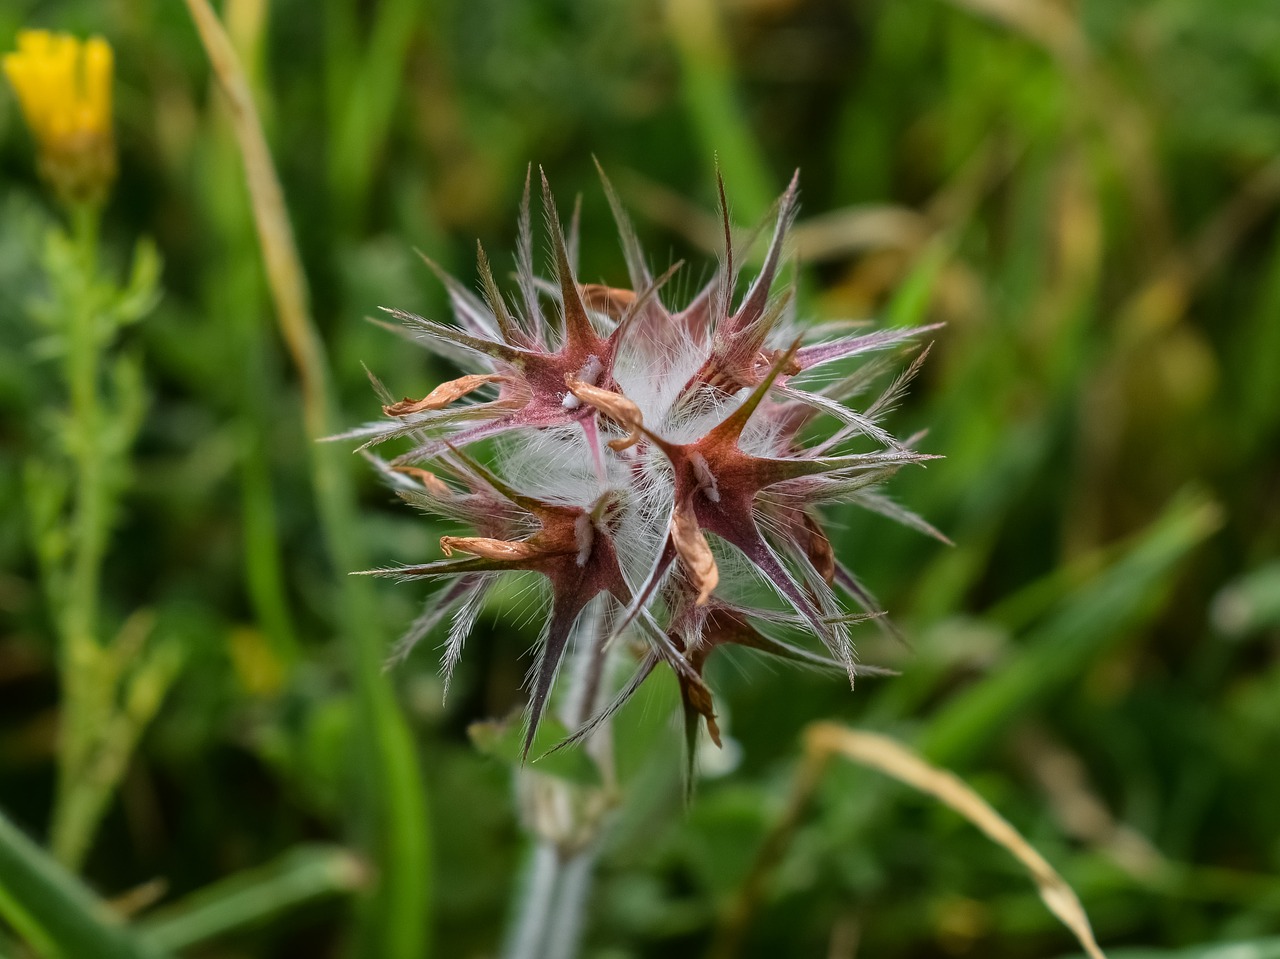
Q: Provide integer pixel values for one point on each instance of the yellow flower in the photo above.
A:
(64, 89)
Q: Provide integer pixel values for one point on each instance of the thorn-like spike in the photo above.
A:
(493, 297)
(525, 275)
(757, 297)
(896, 389)
(632, 252)
(747, 538)
(731, 428)
(435, 610)
(564, 612)
(643, 671)
(638, 305)
(485, 347)
(466, 305)
(691, 720)
(452, 567)
(725, 306)
(379, 388)
(579, 335)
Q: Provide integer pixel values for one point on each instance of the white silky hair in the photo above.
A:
(553, 465)
(464, 619)
(557, 466)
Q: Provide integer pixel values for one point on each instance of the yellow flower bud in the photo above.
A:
(64, 88)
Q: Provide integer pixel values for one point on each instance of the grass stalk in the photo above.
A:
(302, 875)
(713, 105)
(54, 911)
(394, 798)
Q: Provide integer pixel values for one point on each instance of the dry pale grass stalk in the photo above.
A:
(393, 924)
(1079, 810)
(895, 760)
(271, 219)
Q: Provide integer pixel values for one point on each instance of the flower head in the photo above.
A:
(662, 469)
(64, 88)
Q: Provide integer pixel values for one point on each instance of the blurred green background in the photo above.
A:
(1083, 190)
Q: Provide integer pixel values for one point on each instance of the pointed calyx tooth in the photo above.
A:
(486, 548)
(613, 405)
(691, 545)
(443, 395)
(577, 327)
(817, 547)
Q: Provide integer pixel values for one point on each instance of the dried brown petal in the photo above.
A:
(442, 395)
(691, 544)
(699, 697)
(790, 368)
(435, 485)
(818, 549)
(613, 405)
(608, 300)
(486, 548)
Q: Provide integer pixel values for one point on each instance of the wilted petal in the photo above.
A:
(695, 554)
(443, 395)
(613, 405)
(485, 548)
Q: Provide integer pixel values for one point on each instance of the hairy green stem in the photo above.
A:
(564, 932)
(528, 934)
(551, 904)
(85, 703)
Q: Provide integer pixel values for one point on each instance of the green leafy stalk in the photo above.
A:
(110, 690)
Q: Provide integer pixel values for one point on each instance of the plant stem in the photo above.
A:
(526, 939)
(551, 910)
(564, 931)
(85, 702)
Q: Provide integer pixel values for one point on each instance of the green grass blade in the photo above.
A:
(300, 876)
(369, 104)
(390, 799)
(713, 105)
(1086, 623)
(54, 911)
(910, 303)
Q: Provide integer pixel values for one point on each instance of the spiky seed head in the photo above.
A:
(663, 466)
